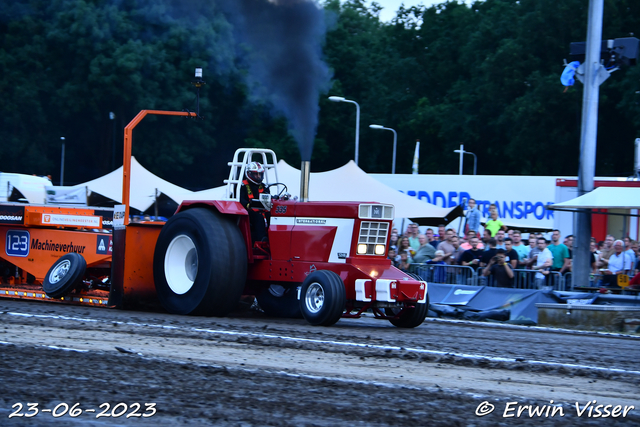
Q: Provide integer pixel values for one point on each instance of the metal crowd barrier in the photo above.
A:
(465, 275)
(446, 274)
(526, 279)
(522, 278)
(595, 280)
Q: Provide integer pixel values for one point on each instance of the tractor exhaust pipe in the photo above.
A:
(305, 172)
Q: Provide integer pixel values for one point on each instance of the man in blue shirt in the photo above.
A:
(473, 217)
(518, 246)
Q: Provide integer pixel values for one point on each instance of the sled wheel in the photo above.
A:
(64, 275)
(278, 301)
(322, 298)
(200, 263)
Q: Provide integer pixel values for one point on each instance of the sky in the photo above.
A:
(392, 6)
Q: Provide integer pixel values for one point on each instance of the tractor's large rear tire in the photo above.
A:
(200, 263)
(322, 298)
(278, 301)
(64, 275)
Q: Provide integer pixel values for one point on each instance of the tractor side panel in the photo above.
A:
(313, 243)
(322, 239)
(280, 238)
(280, 229)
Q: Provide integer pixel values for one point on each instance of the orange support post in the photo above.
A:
(126, 163)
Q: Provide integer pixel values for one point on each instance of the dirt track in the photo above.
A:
(253, 370)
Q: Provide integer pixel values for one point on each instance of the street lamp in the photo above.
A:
(342, 99)
(475, 158)
(395, 143)
(62, 163)
(112, 117)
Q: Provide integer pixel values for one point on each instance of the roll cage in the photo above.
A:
(241, 158)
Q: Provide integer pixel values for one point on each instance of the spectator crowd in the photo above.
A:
(500, 253)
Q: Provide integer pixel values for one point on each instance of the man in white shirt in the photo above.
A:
(543, 263)
(619, 263)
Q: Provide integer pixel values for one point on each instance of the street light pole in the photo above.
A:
(475, 162)
(475, 159)
(342, 99)
(112, 116)
(62, 162)
(588, 141)
(395, 143)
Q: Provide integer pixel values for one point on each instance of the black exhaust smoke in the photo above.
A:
(284, 59)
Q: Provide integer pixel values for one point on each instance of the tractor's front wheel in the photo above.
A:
(200, 264)
(322, 298)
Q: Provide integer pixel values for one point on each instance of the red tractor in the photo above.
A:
(322, 260)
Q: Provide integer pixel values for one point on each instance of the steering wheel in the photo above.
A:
(284, 189)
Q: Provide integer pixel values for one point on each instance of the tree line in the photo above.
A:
(486, 75)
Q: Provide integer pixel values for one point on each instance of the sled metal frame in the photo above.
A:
(128, 139)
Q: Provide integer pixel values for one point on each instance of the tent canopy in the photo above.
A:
(143, 187)
(17, 187)
(603, 198)
(347, 183)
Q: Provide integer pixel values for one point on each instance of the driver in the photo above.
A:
(252, 187)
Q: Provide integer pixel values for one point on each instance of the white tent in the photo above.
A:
(29, 187)
(603, 198)
(143, 187)
(215, 193)
(347, 183)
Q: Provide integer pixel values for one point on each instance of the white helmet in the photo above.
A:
(255, 172)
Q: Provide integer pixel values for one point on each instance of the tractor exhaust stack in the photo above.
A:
(305, 172)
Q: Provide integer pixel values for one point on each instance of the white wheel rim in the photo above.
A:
(181, 264)
(314, 299)
(60, 271)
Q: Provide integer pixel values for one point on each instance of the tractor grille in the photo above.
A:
(373, 234)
